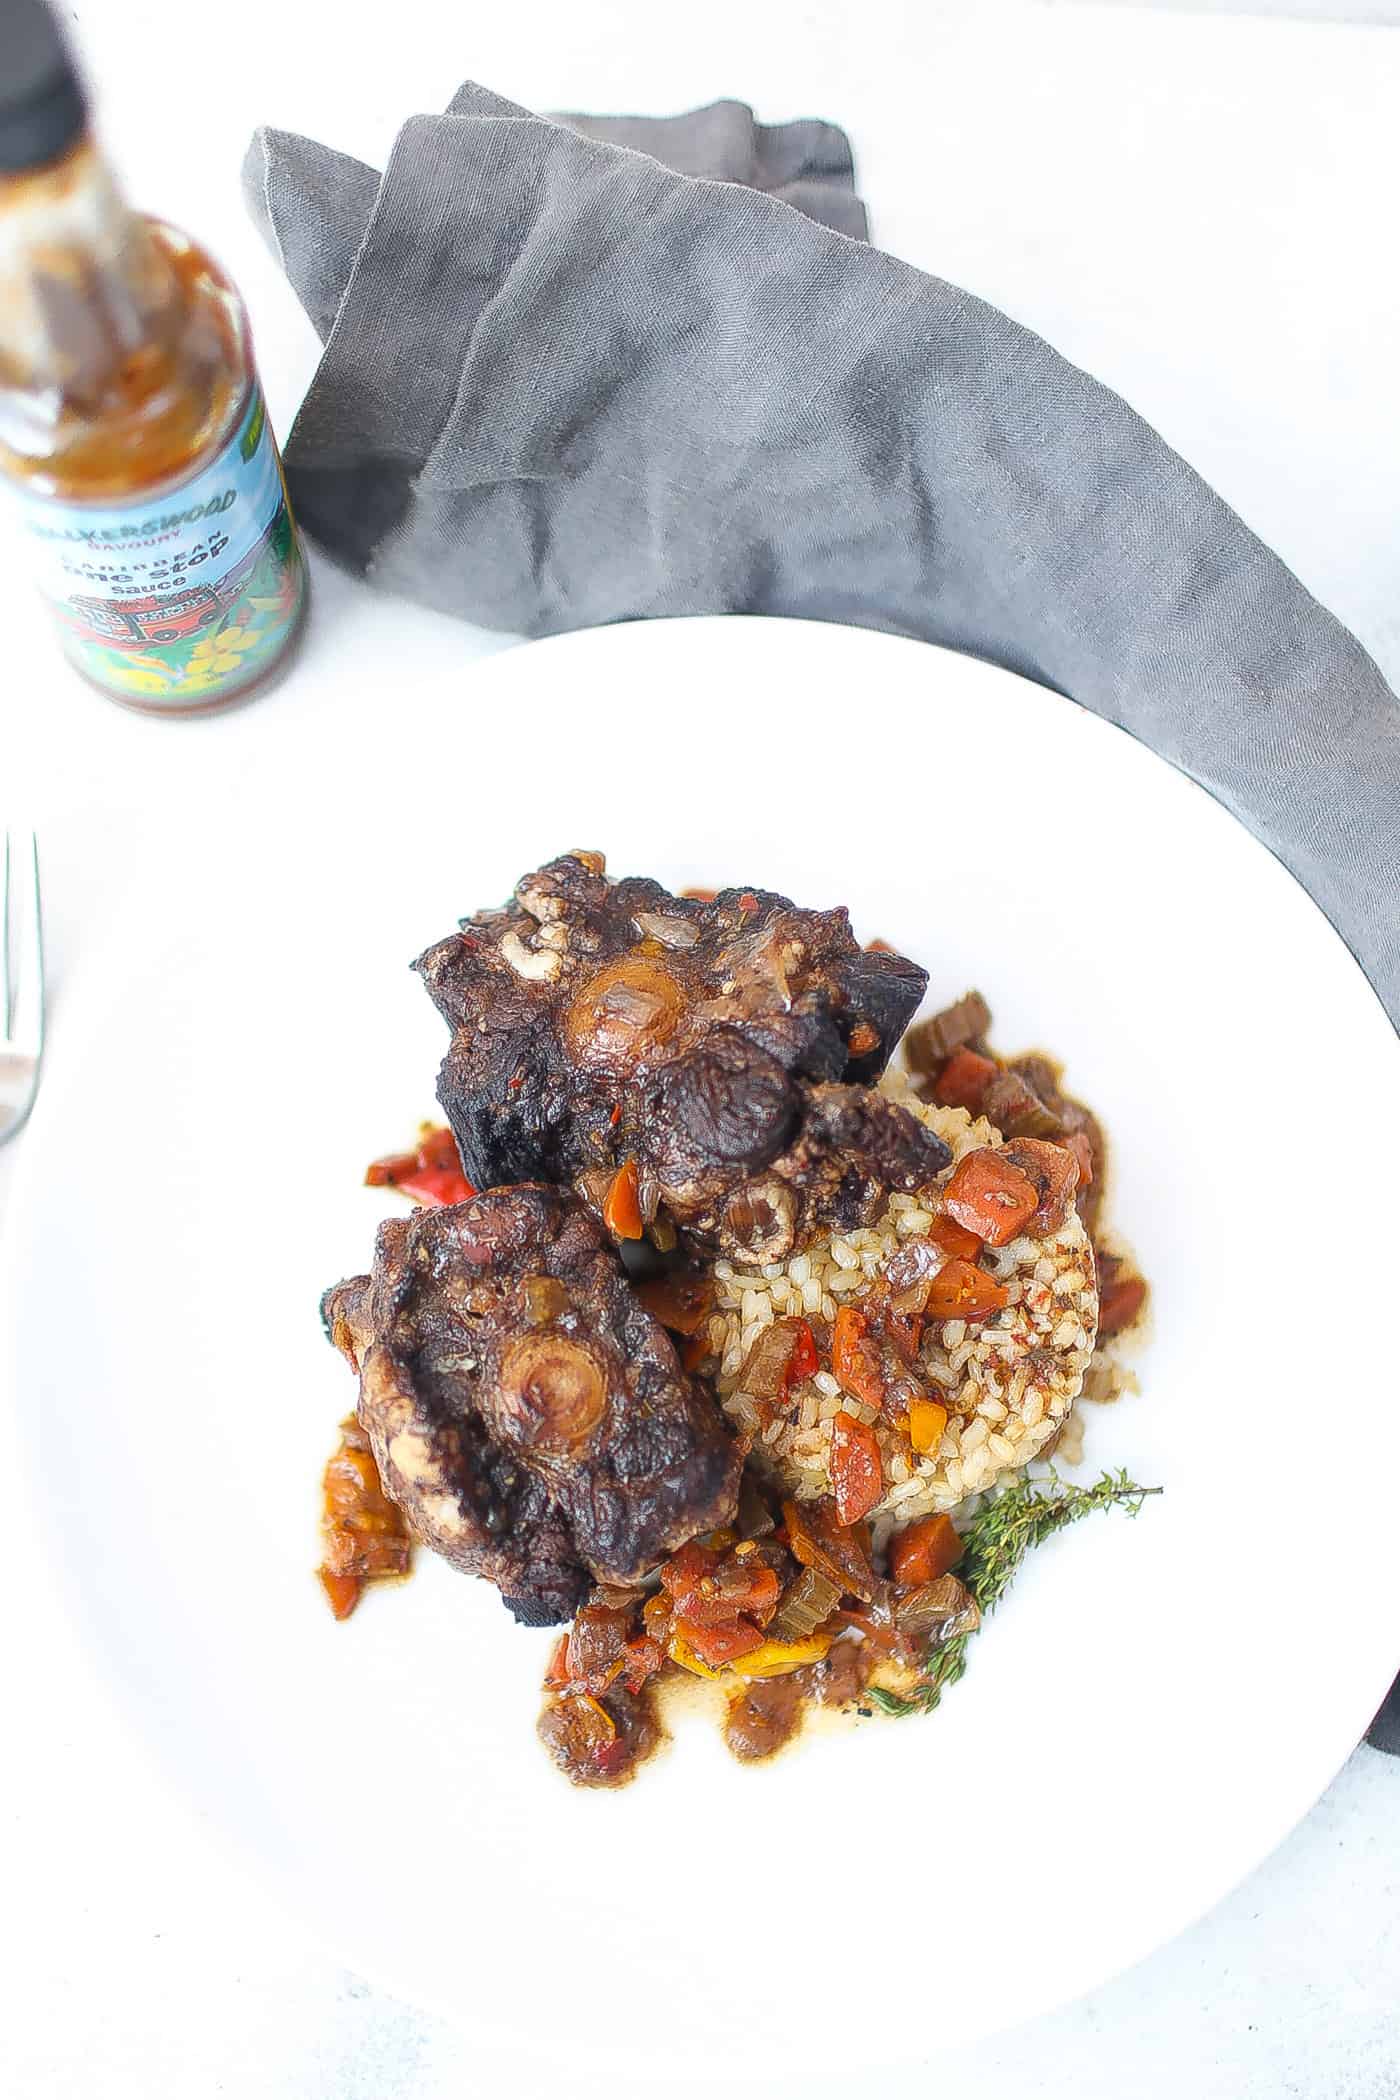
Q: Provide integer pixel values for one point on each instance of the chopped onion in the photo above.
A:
(765, 1369)
(545, 1299)
(809, 1599)
(944, 1608)
(672, 933)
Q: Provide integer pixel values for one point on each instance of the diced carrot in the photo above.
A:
(1120, 1302)
(699, 896)
(990, 1196)
(854, 1361)
(344, 1591)
(622, 1210)
(879, 947)
(924, 1550)
(804, 1361)
(954, 1239)
(963, 1081)
(857, 1477)
(863, 1039)
(558, 1672)
(927, 1421)
(961, 1291)
(717, 1645)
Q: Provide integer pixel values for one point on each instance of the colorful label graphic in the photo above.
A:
(185, 598)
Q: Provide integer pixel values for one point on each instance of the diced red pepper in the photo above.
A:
(804, 1361)
(990, 1196)
(717, 1645)
(432, 1175)
(963, 1081)
(622, 1210)
(684, 1569)
(713, 1594)
(1120, 1302)
(857, 1476)
(961, 1291)
(388, 1173)
(854, 1360)
(924, 1550)
(954, 1239)
(437, 1187)
(438, 1148)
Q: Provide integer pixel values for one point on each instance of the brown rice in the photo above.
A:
(1009, 1382)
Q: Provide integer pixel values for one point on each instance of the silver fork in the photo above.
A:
(21, 983)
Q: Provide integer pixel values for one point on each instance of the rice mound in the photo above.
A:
(1009, 1382)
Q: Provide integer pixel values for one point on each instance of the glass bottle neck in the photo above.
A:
(85, 290)
(124, 350)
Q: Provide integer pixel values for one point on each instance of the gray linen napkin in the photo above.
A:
(581, 370)
(566, 383)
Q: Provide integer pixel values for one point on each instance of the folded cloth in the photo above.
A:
(595, 369)
(570, 378)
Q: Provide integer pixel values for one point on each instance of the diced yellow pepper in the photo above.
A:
(778, 1658)
(927, 1422)
(680, 1651)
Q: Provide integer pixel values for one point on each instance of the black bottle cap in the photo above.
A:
(42, 107)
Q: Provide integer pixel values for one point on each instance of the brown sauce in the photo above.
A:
(721, 1602)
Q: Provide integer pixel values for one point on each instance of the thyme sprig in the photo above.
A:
(997, 1540)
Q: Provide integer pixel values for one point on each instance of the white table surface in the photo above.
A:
(1198, 208)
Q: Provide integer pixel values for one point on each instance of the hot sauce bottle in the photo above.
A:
(132, 426)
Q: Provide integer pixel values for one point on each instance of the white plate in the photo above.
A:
(1158, 1702)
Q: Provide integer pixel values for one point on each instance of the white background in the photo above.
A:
(1200, 209)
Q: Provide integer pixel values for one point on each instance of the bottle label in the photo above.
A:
(184, 599)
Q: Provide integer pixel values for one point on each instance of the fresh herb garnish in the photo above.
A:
(995, 1543)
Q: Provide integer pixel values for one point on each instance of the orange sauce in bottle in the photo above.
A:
(132, 426)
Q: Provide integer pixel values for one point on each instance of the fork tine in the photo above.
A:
(6, 971)
(23, 947)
